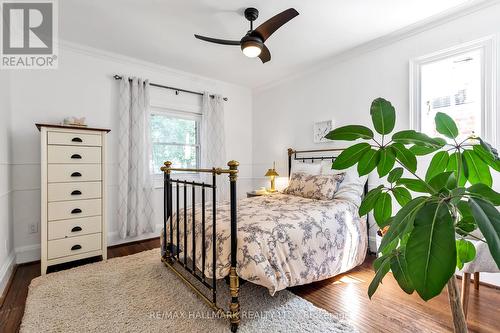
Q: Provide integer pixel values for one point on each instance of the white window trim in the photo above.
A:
(186, 112)
(488, 48)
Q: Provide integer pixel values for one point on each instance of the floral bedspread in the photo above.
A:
(283, 240)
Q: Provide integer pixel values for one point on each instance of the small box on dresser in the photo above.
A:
(73, 194)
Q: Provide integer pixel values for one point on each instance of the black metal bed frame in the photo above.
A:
(171, 244)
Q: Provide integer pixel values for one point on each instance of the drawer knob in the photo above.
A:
(76, 140)
(76, 229)
(76, 211)
(76, 247)
(76, 174)
(76, 156)
(76, 192)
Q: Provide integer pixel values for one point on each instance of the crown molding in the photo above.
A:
(196, 79)
(429, 23)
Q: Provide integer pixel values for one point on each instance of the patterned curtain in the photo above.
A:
(213, 141)
(135, 189)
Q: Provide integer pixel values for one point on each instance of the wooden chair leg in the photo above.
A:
(476, 280)
(464, 296)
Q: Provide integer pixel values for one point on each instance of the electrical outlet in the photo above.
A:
(33, 228)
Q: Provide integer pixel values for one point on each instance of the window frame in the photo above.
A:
(182, 114)
(487, 47)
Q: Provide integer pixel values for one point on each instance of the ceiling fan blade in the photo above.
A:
(218, 41)
(265, 55)
(267, 28)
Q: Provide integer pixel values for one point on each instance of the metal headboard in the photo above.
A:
(315, 155)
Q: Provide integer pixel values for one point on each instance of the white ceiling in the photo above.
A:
(161, 31)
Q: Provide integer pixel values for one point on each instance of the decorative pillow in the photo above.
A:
(320, 187)
(308, 168)
(352, 187)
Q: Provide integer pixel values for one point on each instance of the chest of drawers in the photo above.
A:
(73, 194)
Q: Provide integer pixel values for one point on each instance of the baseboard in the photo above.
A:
(114, 238)
(27, 253)
(6, 273)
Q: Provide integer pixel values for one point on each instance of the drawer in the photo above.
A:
(74, 227)
(73, 154)
(74, 191)
(62, 210)
(74, 245)
(73, 139)
(60, 173)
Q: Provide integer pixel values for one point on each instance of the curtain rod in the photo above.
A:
(118, 77)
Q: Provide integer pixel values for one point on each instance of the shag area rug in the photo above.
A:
(138, 293)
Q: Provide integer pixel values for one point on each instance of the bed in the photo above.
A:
(277, 241)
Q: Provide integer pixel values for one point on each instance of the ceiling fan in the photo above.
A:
(252, 44)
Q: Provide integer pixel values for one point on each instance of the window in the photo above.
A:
(175, 137)
(457, 82)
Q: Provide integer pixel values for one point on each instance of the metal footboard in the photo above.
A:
(173, 240)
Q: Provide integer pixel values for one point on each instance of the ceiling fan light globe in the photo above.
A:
(252, 51)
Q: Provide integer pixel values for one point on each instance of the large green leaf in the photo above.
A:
(386, 161)
(445, 125)
(485, 192)
(395, 174)
(350, 156)
(413, 137)
(478, 171)
(350, 133)
(438, 164)
(401, 221)
(382, 209)
(454, 162)
(383, 116)
(369, 201)
(399, 269)
(415, 185)
(402, 195)
(489, 148)
(465, 210)
(466, 252)
(368, 162)
(383, 269)
(406, 157)
(420, 150)
(487, 157)
(443, 180)
(488, 220)
(430, 252)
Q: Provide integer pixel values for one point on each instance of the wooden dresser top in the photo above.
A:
(72, 127)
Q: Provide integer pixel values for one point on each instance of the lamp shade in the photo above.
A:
(271, 172)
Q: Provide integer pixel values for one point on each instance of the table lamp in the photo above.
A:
(271, 173)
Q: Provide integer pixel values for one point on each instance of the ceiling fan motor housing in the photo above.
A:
(248, 41)
(251, 14)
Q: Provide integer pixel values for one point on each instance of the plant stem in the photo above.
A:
(459, 322)
(414, 174)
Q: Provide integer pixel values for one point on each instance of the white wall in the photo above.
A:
(284, 114)
(83, 86)
(6, 223)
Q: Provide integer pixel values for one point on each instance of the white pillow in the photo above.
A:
(352, 187)
(313, 169)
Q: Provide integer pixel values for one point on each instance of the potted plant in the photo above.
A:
(425, 240)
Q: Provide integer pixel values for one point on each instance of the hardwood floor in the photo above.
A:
(390, 310)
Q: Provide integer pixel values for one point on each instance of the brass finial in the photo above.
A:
(233, 164)
(290, 151)
(167, 166)
(233, 168)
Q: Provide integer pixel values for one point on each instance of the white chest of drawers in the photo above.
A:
(73, 194)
